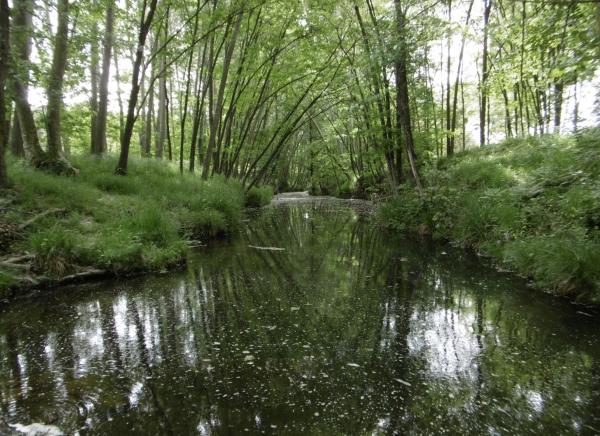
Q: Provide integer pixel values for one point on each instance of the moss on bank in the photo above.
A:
(144, 221)
(532, 204)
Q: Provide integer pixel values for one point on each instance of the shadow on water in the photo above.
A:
(347, 330)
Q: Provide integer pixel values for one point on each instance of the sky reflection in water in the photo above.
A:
(347, 331)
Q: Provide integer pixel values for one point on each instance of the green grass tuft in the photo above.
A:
(121, 224)
(533, 204)
(258, 196)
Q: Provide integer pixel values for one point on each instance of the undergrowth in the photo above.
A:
(532, 204)
(259, 196)
(120, 224)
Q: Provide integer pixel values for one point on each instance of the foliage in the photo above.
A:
(258, 196)
(120, 224)
(532, 204)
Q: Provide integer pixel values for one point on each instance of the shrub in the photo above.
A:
(136, 222)
(531, 203)
(258, 196)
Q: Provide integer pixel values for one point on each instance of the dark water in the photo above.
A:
(347, 331)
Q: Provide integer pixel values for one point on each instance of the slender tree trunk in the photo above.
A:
(575, 106)
(464, 116)
(216, 122)
(119, 99)
(198, 110)
(4, 60)
(187, 94)
(507, 117)
(161, 121)
(94, 60)
(402, 100)
(449, 130)
(146, 144)
(487, 7)
(100, 134)
(55, 85)
(558, 102)
(167, 131)
(452, 128)
(145, 23)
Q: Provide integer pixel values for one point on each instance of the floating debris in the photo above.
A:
(266, 248)
(405, 383)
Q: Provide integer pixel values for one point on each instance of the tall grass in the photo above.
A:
(533, 204)
(137, 222)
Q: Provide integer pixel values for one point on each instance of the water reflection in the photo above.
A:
(343, 331)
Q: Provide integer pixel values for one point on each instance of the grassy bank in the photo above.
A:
(532, 204)
(99, 221)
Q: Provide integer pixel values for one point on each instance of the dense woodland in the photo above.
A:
(349, 98)
(337, 96)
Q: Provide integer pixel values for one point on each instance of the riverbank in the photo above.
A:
(55, 229)
(533, 205)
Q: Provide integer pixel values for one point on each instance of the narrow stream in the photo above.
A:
(338, 328)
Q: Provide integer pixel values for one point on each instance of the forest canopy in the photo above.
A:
(337, 97)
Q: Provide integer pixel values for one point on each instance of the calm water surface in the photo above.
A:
(347, 330)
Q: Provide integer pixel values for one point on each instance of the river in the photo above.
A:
(310, 321)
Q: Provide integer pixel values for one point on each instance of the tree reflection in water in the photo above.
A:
(347, 330)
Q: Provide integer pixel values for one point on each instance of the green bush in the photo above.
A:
(137, 222)
(258, 196)
(533, 204)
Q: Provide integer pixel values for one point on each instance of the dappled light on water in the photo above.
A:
(334, 328)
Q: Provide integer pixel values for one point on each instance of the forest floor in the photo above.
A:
(55, 229)
(532, 205)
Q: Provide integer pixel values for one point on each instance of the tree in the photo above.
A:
(26, 120)
(145, 23)
(402, 100)
(21, 30)
(4, 61)
(99, 130)
(487, 7)
(55, 85)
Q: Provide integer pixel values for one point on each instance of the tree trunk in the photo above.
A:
(402, 100)
(558, 101)
(119, 99)
(575, 106)
(161, 118)
(146, 128)
(94, 59)
(187, 94)
(484, 73)
(16, 136)
(22, 27)
(4, 59)
(198, 110)
(452, 142)
(55, 85)
(100, 133)
(21, 38)
(464, 115)
(145, 22)
(449, 130)
(507, 118)
(216, 122)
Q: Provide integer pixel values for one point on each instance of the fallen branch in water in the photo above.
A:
(267, 248)
(84, 274)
